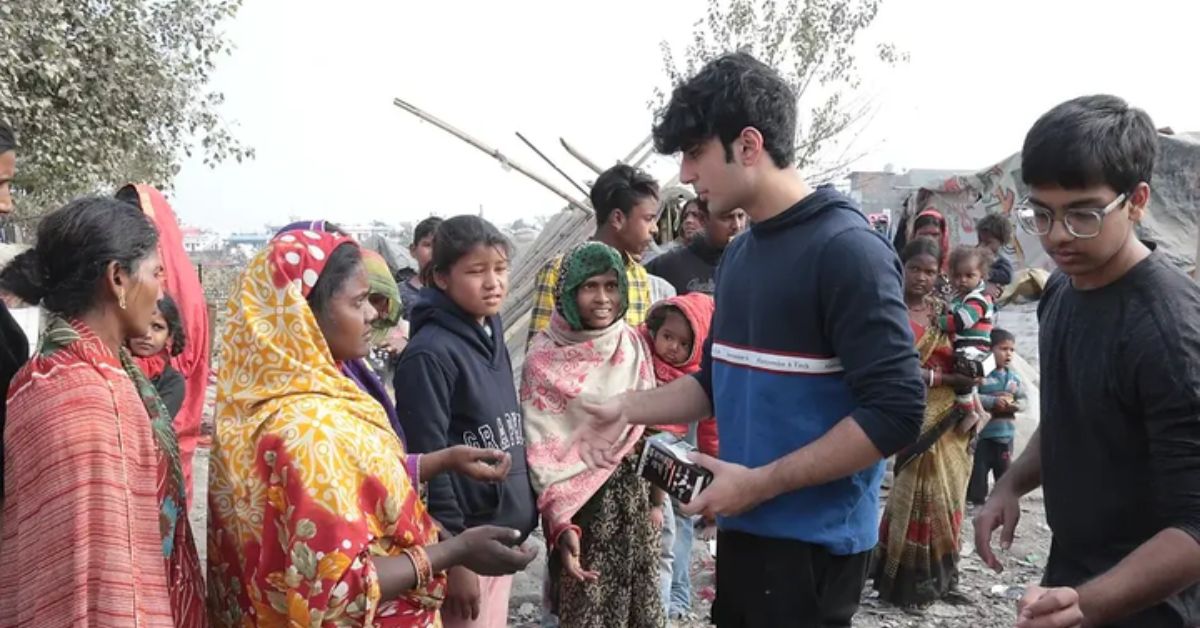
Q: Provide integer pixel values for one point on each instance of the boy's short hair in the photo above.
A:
(425, 228)
(997, 226)
(620, 187)
(728, 94)
(1002, 335)
(963, 253)
(1088, 141)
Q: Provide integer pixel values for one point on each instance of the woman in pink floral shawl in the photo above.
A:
(597, 520)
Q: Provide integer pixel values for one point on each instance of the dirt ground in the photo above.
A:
(988, 599)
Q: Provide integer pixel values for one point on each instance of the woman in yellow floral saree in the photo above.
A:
(313, 519)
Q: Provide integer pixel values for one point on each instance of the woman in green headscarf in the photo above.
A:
(604, 571)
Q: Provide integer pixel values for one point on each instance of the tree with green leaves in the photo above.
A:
(103, 92)
(812, 43)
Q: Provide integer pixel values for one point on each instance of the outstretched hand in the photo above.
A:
(568, 547)
(600, 435)
(734, 489)
(490, 551)
(481, 465)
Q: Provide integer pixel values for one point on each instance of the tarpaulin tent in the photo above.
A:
(1172, 219)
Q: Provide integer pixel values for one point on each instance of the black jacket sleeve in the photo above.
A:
(171, 388)
(862, 302)
(423, 391)
(1164, 371)
(1001, 272)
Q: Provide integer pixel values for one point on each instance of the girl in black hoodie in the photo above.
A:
(454, 386)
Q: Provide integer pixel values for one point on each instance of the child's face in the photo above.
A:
(422, 251)
(673, 341)
(967, 275)
(478, 281)
(990, 242)
(1004, 352)
(599, 300)
(154, 341)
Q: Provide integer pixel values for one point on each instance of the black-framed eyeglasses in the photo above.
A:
(1038, 220)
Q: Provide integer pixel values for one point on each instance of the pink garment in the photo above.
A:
(493, 605)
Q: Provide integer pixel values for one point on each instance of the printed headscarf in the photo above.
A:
(943, 243)
(379, 276)
(582, 263)
(307, 479)
(299, 257)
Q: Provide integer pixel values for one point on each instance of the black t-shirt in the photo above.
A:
(172, 388)
(689, 269)
(1120, 425)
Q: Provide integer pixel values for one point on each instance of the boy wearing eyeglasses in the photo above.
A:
(1118, 449)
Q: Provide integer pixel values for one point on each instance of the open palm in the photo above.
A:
(601, 432)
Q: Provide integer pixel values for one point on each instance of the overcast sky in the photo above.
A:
(310, 87)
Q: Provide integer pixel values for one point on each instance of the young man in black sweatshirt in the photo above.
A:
(691, 268)
(1118, 449)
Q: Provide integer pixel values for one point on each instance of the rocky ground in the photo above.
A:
(988, 598)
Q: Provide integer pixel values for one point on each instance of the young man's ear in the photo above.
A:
(752, 147)
(1139, 200)
(617, 219)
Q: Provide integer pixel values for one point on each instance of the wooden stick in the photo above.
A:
(637, 150)
(552, 164)
(580, 156)
(494, 153)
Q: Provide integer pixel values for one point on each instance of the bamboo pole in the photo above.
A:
(494, 153)
(637, 150)
(574, 152)
(552, 164)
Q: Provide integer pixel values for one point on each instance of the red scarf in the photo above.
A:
(698, 309)
(153, 366)
(944, 263)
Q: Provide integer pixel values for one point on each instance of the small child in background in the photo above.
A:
(153, 352)
(968, 319)
(1001, 394)
(996, 232)
(676, 330)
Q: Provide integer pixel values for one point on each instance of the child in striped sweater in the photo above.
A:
(968, 319)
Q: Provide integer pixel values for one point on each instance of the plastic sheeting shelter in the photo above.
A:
(1173, 219)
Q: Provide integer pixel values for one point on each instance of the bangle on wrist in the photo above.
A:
(421, 565)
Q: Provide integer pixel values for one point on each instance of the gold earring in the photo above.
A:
(121, 300)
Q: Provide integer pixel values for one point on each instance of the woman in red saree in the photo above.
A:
(182, 283)
(94, 528)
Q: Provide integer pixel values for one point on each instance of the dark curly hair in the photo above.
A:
(175, 330)
(1088, 141)
(728, 94)
(75, 245)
